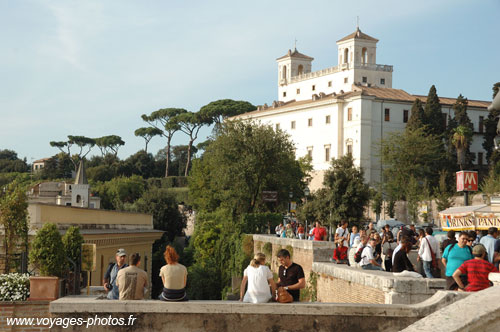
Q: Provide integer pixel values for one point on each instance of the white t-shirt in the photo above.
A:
(424, 251)
(258, 287)
(343, 233)
(366, 256)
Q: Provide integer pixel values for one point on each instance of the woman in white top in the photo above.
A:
(259, 278)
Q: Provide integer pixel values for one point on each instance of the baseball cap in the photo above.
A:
(121, 252)
(478, 249)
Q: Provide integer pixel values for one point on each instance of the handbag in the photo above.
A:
(284, 296)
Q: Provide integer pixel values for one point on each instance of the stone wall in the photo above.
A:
(344, 284)
(228, 316)
(28, 309)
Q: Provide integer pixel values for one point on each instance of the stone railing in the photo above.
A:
(336, 69)
(227, 316)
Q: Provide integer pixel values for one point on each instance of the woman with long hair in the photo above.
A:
(259, 279)
(174, 277)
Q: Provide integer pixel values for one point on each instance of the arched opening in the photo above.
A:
(346, 55)
(78, 198)
(284, 73)
(364, 56)
(300, 70)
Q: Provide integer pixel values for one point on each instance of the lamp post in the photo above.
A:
(290, 194)
(306, 193)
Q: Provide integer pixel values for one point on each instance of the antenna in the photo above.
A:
(295, 45)
(357, 22)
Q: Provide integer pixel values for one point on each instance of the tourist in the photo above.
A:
(401, 262)
(450, 240)
(342, 233)
(429, 247)
(378, 248)
(174, 277)
(368, 261)
(357, 239)
(489, 242)
(289, 234)
(290, 275)
(319, 232)
(259, 278)
(385, 232)
(340, 253)
(477, 271)
(301, 232)
(132, 281)
(352, 237)
(279, 229)
(311, 230)
(388, 250)
(109, 281)
(421, 236)
(370, 228)
(455, 255)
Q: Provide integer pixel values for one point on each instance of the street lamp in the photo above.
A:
(290, 194)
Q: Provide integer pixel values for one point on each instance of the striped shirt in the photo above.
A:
(477, 271)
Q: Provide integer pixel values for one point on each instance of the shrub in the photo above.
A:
(47, 251)
(72, 241)
(290, 250)
(267, 249)
(247, 245)
(14, 287)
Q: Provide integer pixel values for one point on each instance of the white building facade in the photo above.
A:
(347, 108)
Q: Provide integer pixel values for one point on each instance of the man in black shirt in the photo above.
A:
(401, 261)
(291, 275)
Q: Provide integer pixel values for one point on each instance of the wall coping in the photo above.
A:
(296, 243)
(91, 305)
(385, 281)
(494, 278)
(477, 311)
(9, 303)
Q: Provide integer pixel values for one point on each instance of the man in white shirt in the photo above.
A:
(368, 262)
(427, 244)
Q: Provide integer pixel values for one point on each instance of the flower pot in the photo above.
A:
(44, 288)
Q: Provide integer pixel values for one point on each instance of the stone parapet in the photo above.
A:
(342, 283)
(222, 316)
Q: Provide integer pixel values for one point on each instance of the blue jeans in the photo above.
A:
(371, 267)
(427, 269)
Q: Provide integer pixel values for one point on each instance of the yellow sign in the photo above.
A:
(88, 257)
(293, 207)
(462, 221)
(487, 220)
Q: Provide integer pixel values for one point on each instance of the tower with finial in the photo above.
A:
(80, 191)
(293, 64)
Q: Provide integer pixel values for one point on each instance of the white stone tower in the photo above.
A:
(293, 64)
(80, 191)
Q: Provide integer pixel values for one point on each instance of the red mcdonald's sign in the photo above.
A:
(467, 181)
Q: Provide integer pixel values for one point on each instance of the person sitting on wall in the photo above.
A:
(368, 261)
(259, 278)
(174, 277)
(290, 275)
(477, 271)
(132, 281)
(109, 280)
(340, 253)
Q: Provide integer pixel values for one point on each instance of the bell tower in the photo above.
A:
(293, 64)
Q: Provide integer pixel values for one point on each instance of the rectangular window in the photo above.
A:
(349, 114)
(310, 122)
(481, 124)
(382, 81)
(479, 158)
(365, 79)
(327, 153)
(277, 126)
(298, 91)
(292, 125)
(444, 120)
(349, 148)
(314, 87)
(284, 93)
(327, 119)
(405, 116)
(329, 84)
(310, 152)
(387, 115)
(346, 80)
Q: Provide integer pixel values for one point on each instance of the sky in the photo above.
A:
(92, 67)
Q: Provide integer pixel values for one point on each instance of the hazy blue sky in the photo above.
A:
(93, 67)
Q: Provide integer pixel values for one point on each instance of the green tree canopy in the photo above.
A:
(148, 133)
(165, 120)
(417, 117)
(412, 153)
(433, 114)
(219, 110)
(108, 144)
(9, 162)
(245, 159)
(47, 251)
(82, 142)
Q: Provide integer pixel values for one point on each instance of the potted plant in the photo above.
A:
(48, 255)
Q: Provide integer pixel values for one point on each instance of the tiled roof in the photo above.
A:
(295, 54)
(357, 35)
(451, 101)
(385, 93)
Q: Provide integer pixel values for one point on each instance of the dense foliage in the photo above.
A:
(47, 251)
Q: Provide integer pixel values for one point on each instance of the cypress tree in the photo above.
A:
(433, 113)
(417, 116)
(462, 119)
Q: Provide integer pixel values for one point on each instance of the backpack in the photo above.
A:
(357, 255)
